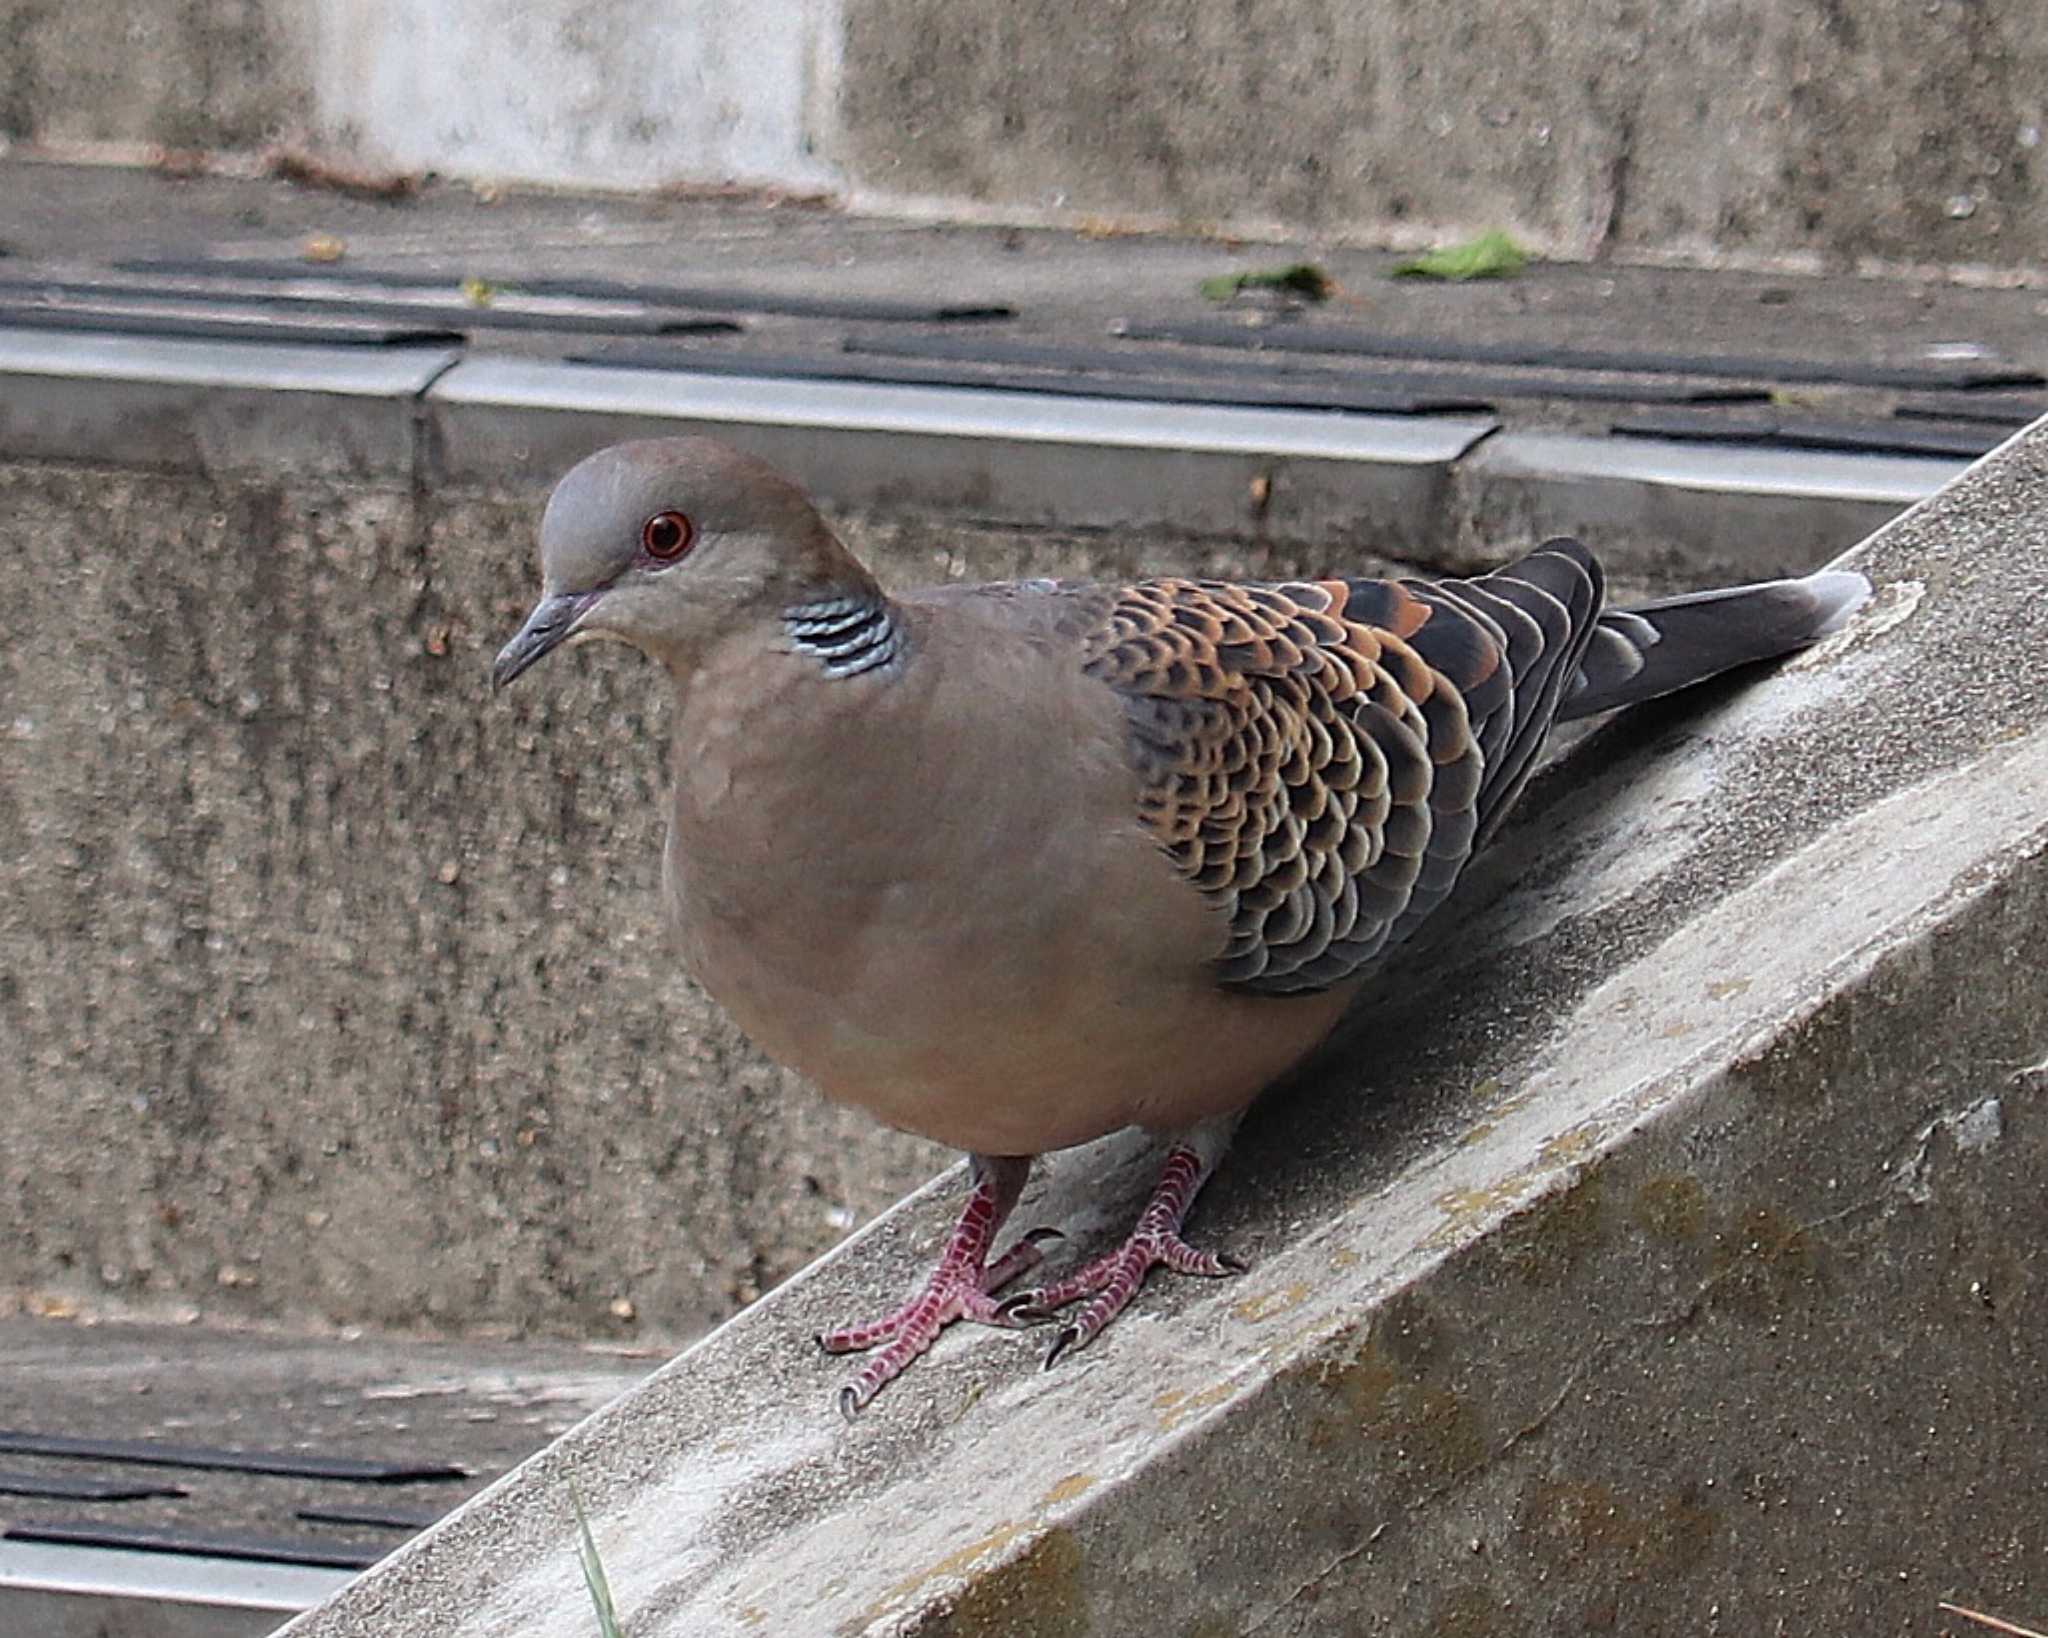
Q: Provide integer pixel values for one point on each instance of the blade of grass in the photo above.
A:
(593, 1573)
(1991, 1621)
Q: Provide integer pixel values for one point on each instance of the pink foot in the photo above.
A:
(1112, 1280)
(961, 1287)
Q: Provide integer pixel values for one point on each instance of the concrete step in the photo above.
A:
(1700, 402)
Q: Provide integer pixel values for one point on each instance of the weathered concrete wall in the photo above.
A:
(1910, 133)
(337, 990)
(629, 93)
(1905, 133)
(213, 74)
(1700, 127)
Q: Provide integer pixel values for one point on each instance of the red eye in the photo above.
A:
(666, 536)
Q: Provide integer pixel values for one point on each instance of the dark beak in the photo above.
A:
(553, 619)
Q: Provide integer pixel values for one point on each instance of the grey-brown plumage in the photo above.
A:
(1016, 866)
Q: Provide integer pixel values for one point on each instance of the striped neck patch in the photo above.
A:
(848, 635)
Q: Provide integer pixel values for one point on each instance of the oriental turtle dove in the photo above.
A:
(1015, 866)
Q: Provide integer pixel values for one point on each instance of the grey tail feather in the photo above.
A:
(1655, 648)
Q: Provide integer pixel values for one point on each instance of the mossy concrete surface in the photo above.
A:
(1660, 1254)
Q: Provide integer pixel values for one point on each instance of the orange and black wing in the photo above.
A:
(1322, 757)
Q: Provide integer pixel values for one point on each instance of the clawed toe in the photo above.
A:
(1025, 1308)
(1112, 1280)
(961, 1287)
(965, 1283)
(952, 1293)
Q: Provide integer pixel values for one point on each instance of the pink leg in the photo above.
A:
(1113, 1279)
(959, 1288)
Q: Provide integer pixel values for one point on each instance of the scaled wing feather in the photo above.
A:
(1322, 757)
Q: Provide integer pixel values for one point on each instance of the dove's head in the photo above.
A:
(669, 543)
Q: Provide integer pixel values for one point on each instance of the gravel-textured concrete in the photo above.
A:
(222, 74)
(1662, 1255)
(338, 988)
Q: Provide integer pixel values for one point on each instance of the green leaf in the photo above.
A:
(1299, 279)
(593, 1573)
(1492, 255)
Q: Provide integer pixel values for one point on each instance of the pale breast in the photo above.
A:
(956, 920)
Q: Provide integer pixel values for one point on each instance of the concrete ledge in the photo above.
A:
(80, 1592)
(212, 406)
(1663, 1251)
(1447, 490)
(1454, 491)
(1648, 503)
(1019, 458)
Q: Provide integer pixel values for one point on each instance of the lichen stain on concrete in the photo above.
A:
(1670, 1208)
(1383, 1397)
(1584, 1520)
(955, 1563)
(1065, 1490)
(1261, 1305)
(1726, 989)
(1477, 1133)
(1543, 1245)
(1465, 1210)
(1565, 1147)
(1175, 1406)
(1037, 1594)
(1764, 1263)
